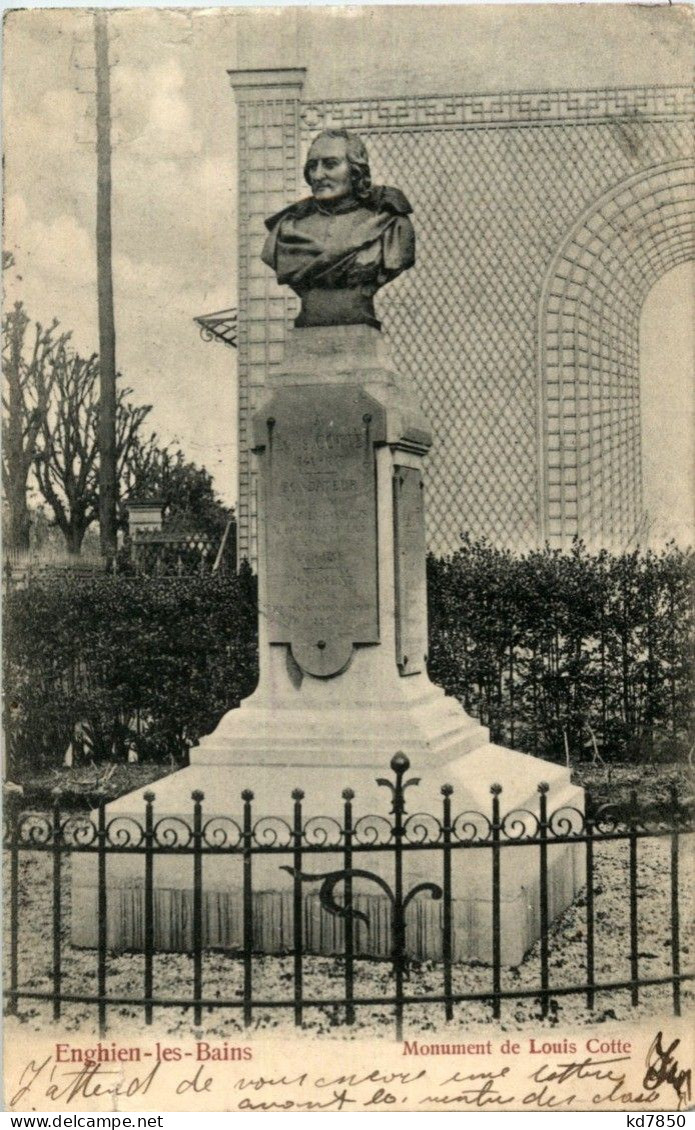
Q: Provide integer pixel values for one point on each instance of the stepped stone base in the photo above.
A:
(427, 726)
(470, 776)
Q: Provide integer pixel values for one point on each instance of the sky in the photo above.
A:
(174, 176)
(174, 179)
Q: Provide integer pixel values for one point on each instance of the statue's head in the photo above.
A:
(337, 165)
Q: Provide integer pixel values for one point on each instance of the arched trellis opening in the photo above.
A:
(589, 396)
(667, 402)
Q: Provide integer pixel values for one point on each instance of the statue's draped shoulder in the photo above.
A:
(364, 242)
(381, 198)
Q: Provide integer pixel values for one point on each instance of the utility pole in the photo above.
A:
(107, 332)
(16, 461)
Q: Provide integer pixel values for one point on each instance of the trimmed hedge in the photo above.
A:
(112, 652)
(568, 652)
(551, 650)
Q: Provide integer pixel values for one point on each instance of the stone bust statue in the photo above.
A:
(336, 248)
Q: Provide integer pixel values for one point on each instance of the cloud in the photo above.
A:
(62, 120)
(153, 117)
(61, 250)
(60, 253)
(55, 273)
(16, 213)
(138, 275)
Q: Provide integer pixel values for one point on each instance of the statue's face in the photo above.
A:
(328, 169)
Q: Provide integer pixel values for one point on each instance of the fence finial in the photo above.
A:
(400, 763)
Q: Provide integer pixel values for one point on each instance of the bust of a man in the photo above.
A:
(338, 246)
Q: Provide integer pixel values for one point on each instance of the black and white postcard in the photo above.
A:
(348, 558)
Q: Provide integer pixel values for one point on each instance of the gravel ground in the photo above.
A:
(273, 976)
(608, 781)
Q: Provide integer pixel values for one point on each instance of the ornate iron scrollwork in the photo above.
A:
(398, 899)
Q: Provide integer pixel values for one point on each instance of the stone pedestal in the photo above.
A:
(343, 684)
(340, 442)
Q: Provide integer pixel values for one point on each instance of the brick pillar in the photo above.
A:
(269, 164)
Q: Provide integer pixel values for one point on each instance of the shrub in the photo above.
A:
(142, 661)
(555, 651)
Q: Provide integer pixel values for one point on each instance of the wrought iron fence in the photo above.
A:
(164, 553)
(175, 555)
(20, 569)
(302, 841)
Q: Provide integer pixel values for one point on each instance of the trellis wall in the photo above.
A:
(589, 351)
(543, 219)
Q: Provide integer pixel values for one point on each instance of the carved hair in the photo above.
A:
(357, 159)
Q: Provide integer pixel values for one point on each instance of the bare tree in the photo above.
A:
(29, 358)
(138, 464)
(67, 462)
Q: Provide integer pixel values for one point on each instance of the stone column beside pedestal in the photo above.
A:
(340, 442)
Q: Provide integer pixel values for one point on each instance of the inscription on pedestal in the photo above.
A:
(319, 484)
(411, 590)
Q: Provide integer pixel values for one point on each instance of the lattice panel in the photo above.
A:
(495, 205)
(590, 333)
(497, 182)
(268, 174)
(491, 206)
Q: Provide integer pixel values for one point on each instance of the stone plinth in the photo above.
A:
(343, 686)
(273, 923)
(298, 715)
